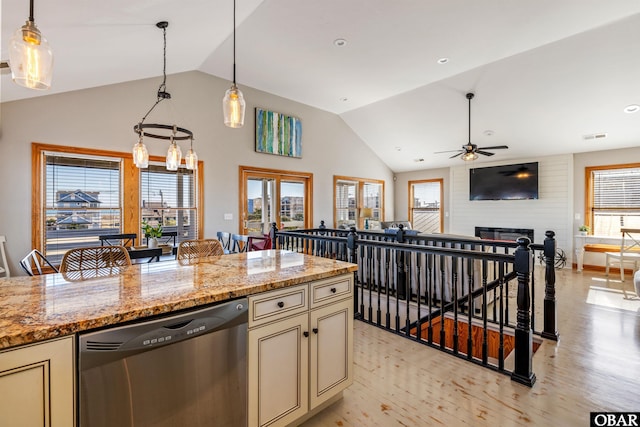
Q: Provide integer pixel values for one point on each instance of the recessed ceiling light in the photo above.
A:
(344, 99)
(488, 132)
(340, 42)
(600, 135)
(442, 61)
(633, 108)
(398, 148)
(418, 160)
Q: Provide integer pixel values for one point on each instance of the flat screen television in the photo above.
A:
(507, 182)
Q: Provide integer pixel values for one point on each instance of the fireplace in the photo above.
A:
(498, 233)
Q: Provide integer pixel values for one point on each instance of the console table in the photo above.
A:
(581, 240)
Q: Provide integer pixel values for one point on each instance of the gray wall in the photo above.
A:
(104, 117)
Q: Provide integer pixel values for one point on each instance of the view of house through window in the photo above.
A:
(613, 198)
(358, 202)
(82, 201)
(270, 196)
(83, 193)
(425, 205)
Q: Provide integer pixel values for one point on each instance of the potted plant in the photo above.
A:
(583, 229)
(152, 232)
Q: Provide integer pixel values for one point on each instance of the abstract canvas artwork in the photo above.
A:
(278, 134)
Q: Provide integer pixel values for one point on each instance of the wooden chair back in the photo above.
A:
(198, 248)
(95, 261)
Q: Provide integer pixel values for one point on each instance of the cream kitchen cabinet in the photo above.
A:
(37, 384)
(300, 349)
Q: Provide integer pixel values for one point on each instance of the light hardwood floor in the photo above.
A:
(595, 366)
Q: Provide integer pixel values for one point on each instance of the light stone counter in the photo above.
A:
(38, 308)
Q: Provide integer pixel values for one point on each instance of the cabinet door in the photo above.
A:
(278, 371)
(331, 350)
(37, 385)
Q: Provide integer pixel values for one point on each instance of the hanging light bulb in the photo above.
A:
(30, 56)
(174, 154)
(140, 153)
(233, 103)
(234, 106)
(191, 159)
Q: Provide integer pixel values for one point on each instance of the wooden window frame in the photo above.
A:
(361, 182)
(588, 187)
(130, 188)
(278, 175)
(411, 199)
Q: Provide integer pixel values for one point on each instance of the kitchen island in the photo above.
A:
(41, 310)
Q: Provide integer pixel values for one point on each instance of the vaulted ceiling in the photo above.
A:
(547, 75)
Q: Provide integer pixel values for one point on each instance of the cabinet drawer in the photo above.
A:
(329, 290)
(274, 305)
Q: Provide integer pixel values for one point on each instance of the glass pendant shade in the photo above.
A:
(174, 157)
(191, 159)
(140, 155)
(469, 156)
(30, 58)
(233, 105)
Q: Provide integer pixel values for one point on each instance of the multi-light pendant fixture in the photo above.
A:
(172, 133)
(30, 56)
(233, 103)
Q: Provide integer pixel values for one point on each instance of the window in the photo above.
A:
(612, 198)
(358, 202)
(269, 195)
(425, 205)
(168, 198)
(80, 194)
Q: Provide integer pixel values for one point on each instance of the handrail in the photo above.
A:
(402, 272)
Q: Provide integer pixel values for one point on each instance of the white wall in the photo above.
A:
(551, 211)
(104, 118)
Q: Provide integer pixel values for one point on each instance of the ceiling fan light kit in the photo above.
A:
(172, 132)
(30, 56)
(233, 104)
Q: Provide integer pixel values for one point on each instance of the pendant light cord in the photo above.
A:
(469, 119)
(162, 89)
(234, 42)
(31, 11)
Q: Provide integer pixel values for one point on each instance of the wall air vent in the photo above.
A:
(594, 136)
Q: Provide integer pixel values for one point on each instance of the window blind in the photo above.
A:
(168, 198)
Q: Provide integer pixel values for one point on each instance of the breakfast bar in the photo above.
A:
(42, 317)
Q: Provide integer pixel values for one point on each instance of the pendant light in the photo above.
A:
(191, 159)
(233, 103)
(159, 131)
(30, 56)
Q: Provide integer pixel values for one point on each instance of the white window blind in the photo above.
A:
(169, 198)
(616, 200)
(346, 205)
(82, 200)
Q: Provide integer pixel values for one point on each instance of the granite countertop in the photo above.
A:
(42, 307)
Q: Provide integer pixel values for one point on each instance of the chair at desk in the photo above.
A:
(225, 240)
(259, 243)
(191, 249)
(33, 263)
(95, 261)
(629, 251)
(240, 243)
(124, 239)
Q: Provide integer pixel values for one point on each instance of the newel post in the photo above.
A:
(550, 329)
(522, 371)
(272, 234)
(401, 271)
(352, 246)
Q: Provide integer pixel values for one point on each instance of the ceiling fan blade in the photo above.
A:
(456, 155)
(448, 151)
(485, 153)
(497, 147)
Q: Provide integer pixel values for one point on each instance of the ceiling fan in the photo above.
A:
(470, 151)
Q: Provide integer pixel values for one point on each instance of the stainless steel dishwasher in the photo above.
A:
(184, 370)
